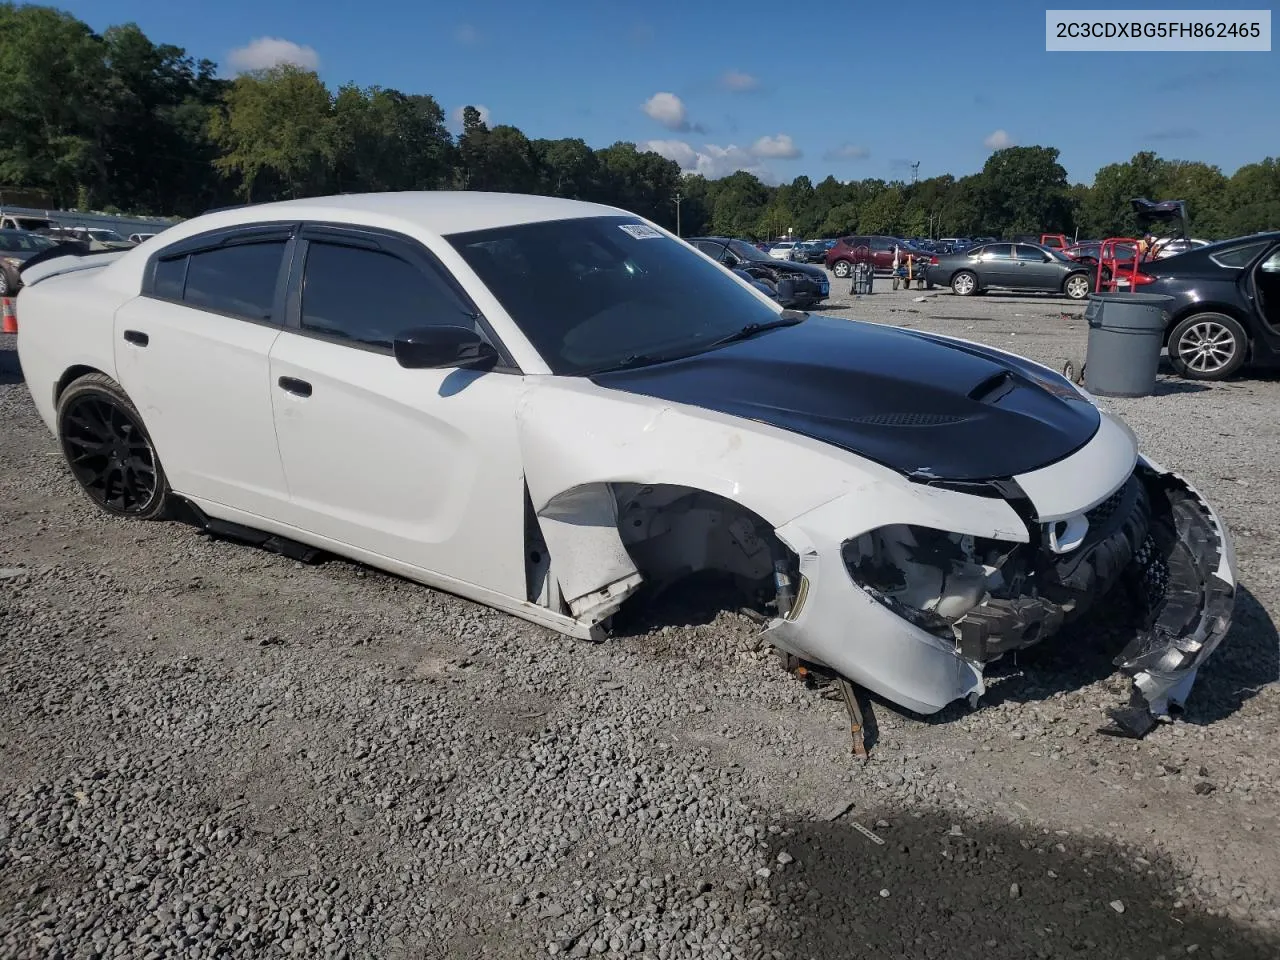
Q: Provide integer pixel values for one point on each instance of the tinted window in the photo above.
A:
(643, 297)
(1240, 256)
(18, 241)
(170, 277)
(882, 243)
(1024, 252)
(998, 251)
(239, 280)
(371, 297)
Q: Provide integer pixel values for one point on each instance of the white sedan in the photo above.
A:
(546, 406)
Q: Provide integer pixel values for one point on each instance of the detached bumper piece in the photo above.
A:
(1153, 537)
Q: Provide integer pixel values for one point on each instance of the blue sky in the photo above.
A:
(777, 87)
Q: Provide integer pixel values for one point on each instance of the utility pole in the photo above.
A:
(678, 200)
(915, 170)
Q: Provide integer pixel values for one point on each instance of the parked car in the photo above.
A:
(22, 222)
(546, 405)
(1172, 246)
(16, 247)
(783, 250)
(1226, 305)
(100, 235)
(810, 251)
(1011, 266)
(792, 284)
(140, 237)
(875, 250)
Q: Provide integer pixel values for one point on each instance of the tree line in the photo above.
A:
(117, 122)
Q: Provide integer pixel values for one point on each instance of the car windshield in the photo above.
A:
(597, 293)
(18, 241)
(106, 236)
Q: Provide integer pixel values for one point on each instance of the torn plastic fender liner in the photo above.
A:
(592, 566)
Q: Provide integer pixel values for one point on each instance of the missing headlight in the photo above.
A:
(930, 577)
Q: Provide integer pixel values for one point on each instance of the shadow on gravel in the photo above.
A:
(953, 897)
(1168, 388)
(10, 369)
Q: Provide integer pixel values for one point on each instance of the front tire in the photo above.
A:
(842, 268)
(1077, 286)
(109, 450)
(1207, 346)
(964, 284)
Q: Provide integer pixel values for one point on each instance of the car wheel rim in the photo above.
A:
(1207, 347)
(1077, 287)
(841, 269)
(964, 284)
(109, 454)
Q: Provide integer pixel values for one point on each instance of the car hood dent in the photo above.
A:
(911, 402)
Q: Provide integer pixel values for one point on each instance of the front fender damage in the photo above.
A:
(915, 611)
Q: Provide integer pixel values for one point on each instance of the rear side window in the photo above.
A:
(170, 278)
(239, 280)
(370, 297)
(998, 251)
(1240, 256)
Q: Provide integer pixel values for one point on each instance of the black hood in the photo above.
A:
(910, 401)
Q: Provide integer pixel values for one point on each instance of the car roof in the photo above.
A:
(437, 211)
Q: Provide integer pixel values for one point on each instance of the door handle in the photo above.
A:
(295, 386)
(137, 338)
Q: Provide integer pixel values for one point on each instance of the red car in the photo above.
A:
(1124, 254)
(875, 250)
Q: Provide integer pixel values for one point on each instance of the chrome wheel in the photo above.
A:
(964, 284)
(1207, 347)
(1078, 287)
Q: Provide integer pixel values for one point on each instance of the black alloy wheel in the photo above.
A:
(109, 450)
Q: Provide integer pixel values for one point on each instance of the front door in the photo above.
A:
(1034, 269)
(418, 466)
(192, 351)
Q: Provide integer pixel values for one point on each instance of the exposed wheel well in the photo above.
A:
(673, 533)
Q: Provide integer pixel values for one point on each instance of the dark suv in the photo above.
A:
(875, 250)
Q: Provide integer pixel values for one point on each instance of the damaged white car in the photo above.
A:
(547, 405)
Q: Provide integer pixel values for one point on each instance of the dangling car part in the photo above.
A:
(598, 408)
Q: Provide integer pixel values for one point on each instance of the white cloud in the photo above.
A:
(998, 140)
(780, 147)
(737, 81)
(847, 151)
(456, 116)
(711, 161)
(266, 52)
(668, 110)
(466, 34)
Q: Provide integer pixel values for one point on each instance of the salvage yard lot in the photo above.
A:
(210, 750)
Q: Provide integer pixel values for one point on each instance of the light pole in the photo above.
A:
(678, 200)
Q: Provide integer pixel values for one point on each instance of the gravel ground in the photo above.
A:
(211, 751)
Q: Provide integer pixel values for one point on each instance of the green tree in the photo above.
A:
(569, 168)
(1252, 198)
(640, 181)
(883, 213)
(276, 133)
(740, 200)
(52, 109)
(1107, 211)
(1025, 191)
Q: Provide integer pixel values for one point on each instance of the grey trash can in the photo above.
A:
(1126, 332)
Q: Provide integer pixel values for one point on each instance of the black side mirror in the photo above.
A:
(444, 346)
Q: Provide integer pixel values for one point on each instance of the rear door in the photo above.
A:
(997, 267)
(192, 353)
(418, 466)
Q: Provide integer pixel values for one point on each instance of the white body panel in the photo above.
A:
(1087, 477)
(419, 465)
(201, 384)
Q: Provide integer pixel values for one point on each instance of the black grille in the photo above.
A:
(1103, 511)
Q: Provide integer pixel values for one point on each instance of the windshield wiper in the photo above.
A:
(788, 318)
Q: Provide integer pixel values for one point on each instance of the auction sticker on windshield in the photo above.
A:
(640, 231)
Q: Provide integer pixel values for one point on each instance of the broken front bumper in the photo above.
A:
(914, 606)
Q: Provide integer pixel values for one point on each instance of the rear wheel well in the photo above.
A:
(71, 375)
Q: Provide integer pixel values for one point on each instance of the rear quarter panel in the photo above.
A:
(65, 322)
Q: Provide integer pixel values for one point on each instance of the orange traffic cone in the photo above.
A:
(9, 314)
